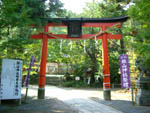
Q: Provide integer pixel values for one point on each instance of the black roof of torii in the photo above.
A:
(89, 20)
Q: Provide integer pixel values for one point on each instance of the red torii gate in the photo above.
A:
(75, 32)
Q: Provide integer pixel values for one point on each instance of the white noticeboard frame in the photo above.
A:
(11, 79)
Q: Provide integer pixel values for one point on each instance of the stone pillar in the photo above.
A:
(143, 94)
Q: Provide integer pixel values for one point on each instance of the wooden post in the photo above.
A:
(106, 71)
(42, 76)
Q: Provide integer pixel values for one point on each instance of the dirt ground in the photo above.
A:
(70, 100)
(49, 105)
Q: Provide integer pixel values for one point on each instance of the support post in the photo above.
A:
(42, 76)
(106, 71)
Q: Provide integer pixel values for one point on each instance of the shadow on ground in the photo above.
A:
(124, 106)
(49, 105)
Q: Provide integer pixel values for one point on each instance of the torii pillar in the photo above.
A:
(106, 71)
(42, 76)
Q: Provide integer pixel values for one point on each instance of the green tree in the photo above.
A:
(15, 30)
(140, 33)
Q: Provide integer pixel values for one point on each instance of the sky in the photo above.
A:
(75, 6)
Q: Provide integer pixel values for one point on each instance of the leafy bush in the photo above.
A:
(34, 79)
(81, 84)
(77, 84)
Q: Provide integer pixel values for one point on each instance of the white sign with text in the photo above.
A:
(11, 79)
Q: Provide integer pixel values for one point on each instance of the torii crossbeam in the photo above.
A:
(74, 26)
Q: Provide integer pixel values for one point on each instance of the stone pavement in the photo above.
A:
(76, 99)
(89, 106)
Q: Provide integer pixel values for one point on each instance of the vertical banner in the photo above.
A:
(10, 79)
(29, 70)
(125, 71)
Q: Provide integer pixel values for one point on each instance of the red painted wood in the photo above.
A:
(84, 24)
(63, 36)
(37, 36)
(84, 36)
(42, 77)
(106, 71)
(114, 36)
(98, 24)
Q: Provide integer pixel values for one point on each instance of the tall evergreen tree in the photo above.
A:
(15, 20)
